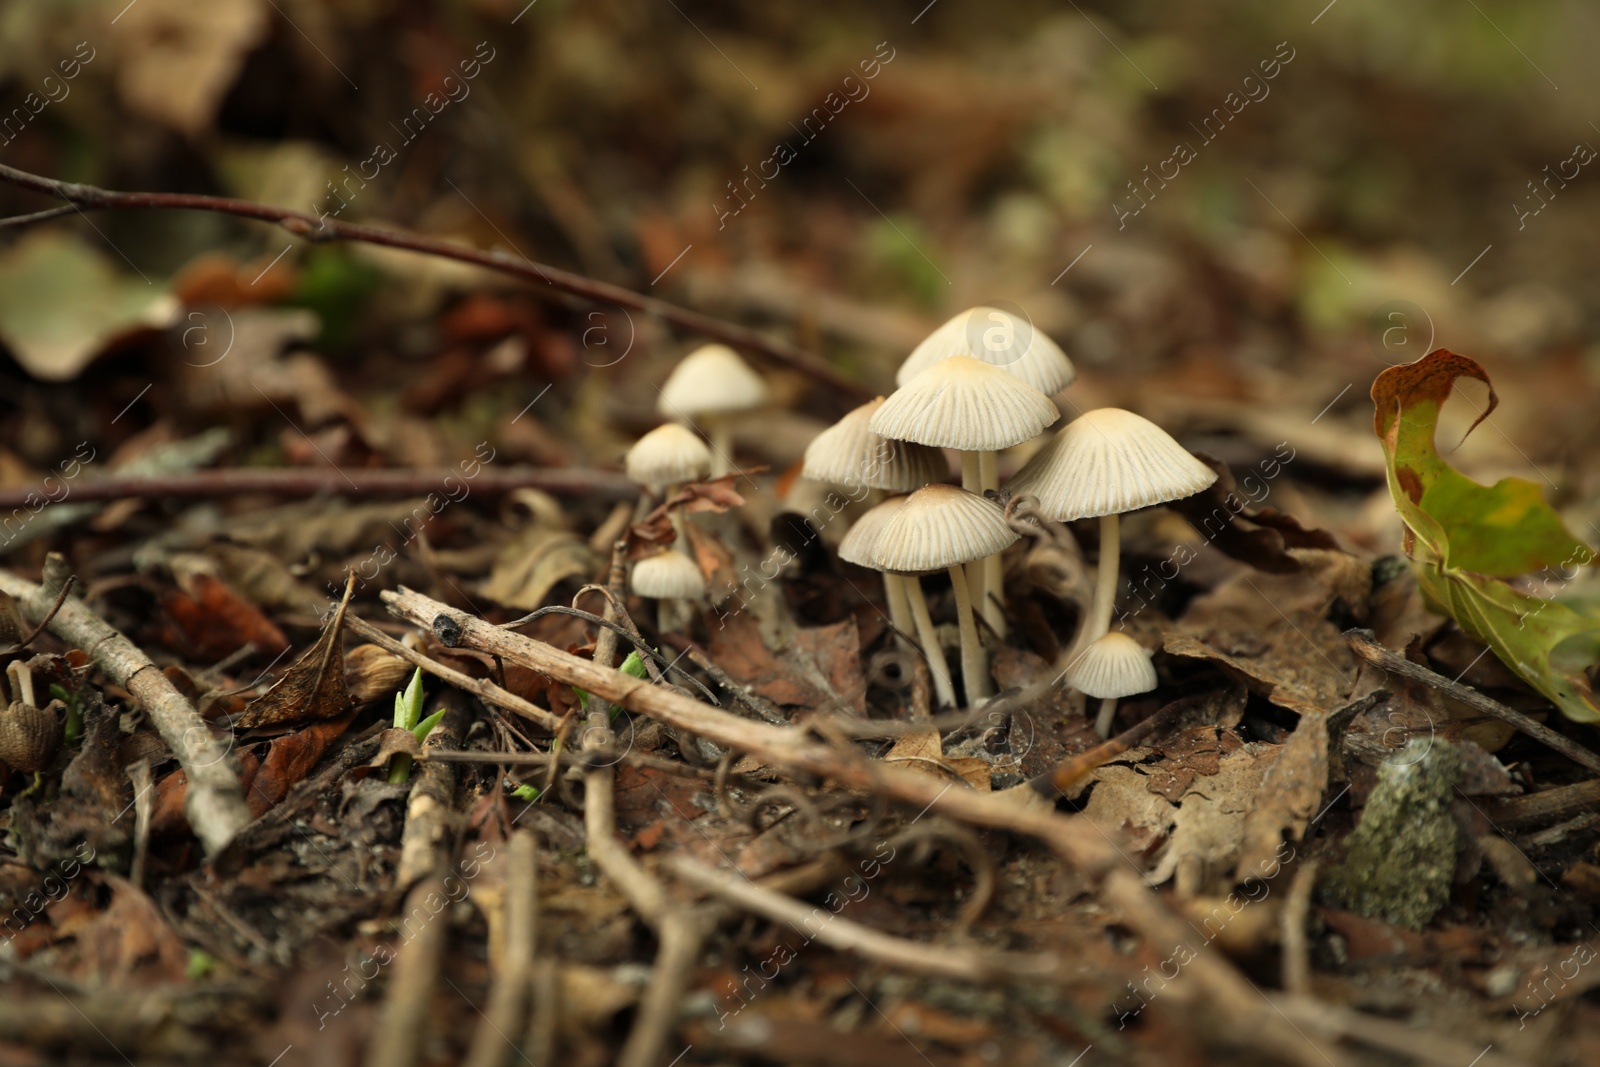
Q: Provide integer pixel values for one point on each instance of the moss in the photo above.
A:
(1400, 859)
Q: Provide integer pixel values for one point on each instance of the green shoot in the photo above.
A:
(74, 726)
(530, 793)
(633, 665)
(407, 712)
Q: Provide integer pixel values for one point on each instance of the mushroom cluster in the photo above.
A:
(982, 383)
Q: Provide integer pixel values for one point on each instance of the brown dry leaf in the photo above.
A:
(1289, 797)
(1123, 806)
(924, 752)
(177, 59)
(313, 688)
(128, 945)
(528, 567)
(1274, 632)
(798, 677)
(656, 529)
(1210, 821)
(210, 621)
(1259, 538)
(242, 366)
(290, 758)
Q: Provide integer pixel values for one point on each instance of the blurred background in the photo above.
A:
(1231, 217)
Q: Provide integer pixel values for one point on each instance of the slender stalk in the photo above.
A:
(894, 591)
(992, 599)
(972, 466)
(721, 445)
(944, 689)
(974, 660)
(1105, 585)
(1108, 712)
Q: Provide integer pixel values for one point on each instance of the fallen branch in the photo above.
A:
(1364, 643)
(314, 228)
(682, 935)
(214, 800)
(397, 1038)
(298, 482)
(508, 996)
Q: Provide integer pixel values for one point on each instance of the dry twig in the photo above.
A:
(214, 800)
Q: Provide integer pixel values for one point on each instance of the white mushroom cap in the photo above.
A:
(711, 380)
(1114, 666)
(857, 544)
(848, 453)
(964, 403)
(1000, 339)
(667, 455)
(940, 526)
(1108, 461)
(667, 575)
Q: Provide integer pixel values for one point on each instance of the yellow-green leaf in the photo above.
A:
(1465, 538)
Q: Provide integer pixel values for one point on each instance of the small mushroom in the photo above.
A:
(671, 578)
(968, 405)
(1112, 667)
(709, 386)
(857, 547)
(1000, 339)
(1101, 464)
(940, 526)
(29, 735)
(848, 453)
(666, 457)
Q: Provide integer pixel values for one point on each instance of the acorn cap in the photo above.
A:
(858, 542)
(963, 403)
(1108, 461)
(711, 380)
(848, 453)
(1000, 339)
(30, 736)
(667, 575)
(668, 455)
(940, 526)
(1114, 666)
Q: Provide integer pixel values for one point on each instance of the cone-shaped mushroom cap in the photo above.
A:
(1108, 461)
(667, 455)
(964, 403)
(1114, 666)
(848, 453)
(668, 575)
(939, 526)
(857, 545)
(709, 381)
(1000, 339)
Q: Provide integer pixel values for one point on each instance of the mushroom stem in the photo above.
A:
(974, 663)
(1108, 711)
(992, 597)
(894, 590)
(721, 435)
(972, 464)
(944, 690)
(1105, 585)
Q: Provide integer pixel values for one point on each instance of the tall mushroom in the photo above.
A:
(1101, 464)
(1000, 339)
(848, 453)
(666, 457)
(709, 386)
(1113, 666)
(942, 526)
(968, 405)
(907, 608)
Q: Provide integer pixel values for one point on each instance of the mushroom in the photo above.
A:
(942, 526)
(712, 384)
(671, 578)
(1101, 464)
(907, 608)
(29, 735)
(848, 453)
(1113, 666)
(1000, 339)
(666, 457)
(966, 404)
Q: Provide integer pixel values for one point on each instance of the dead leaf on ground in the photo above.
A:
(313, 687)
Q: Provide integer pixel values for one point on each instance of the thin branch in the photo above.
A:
(1365, 644)
(565, 481)
(214, 800)
(321, 228)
